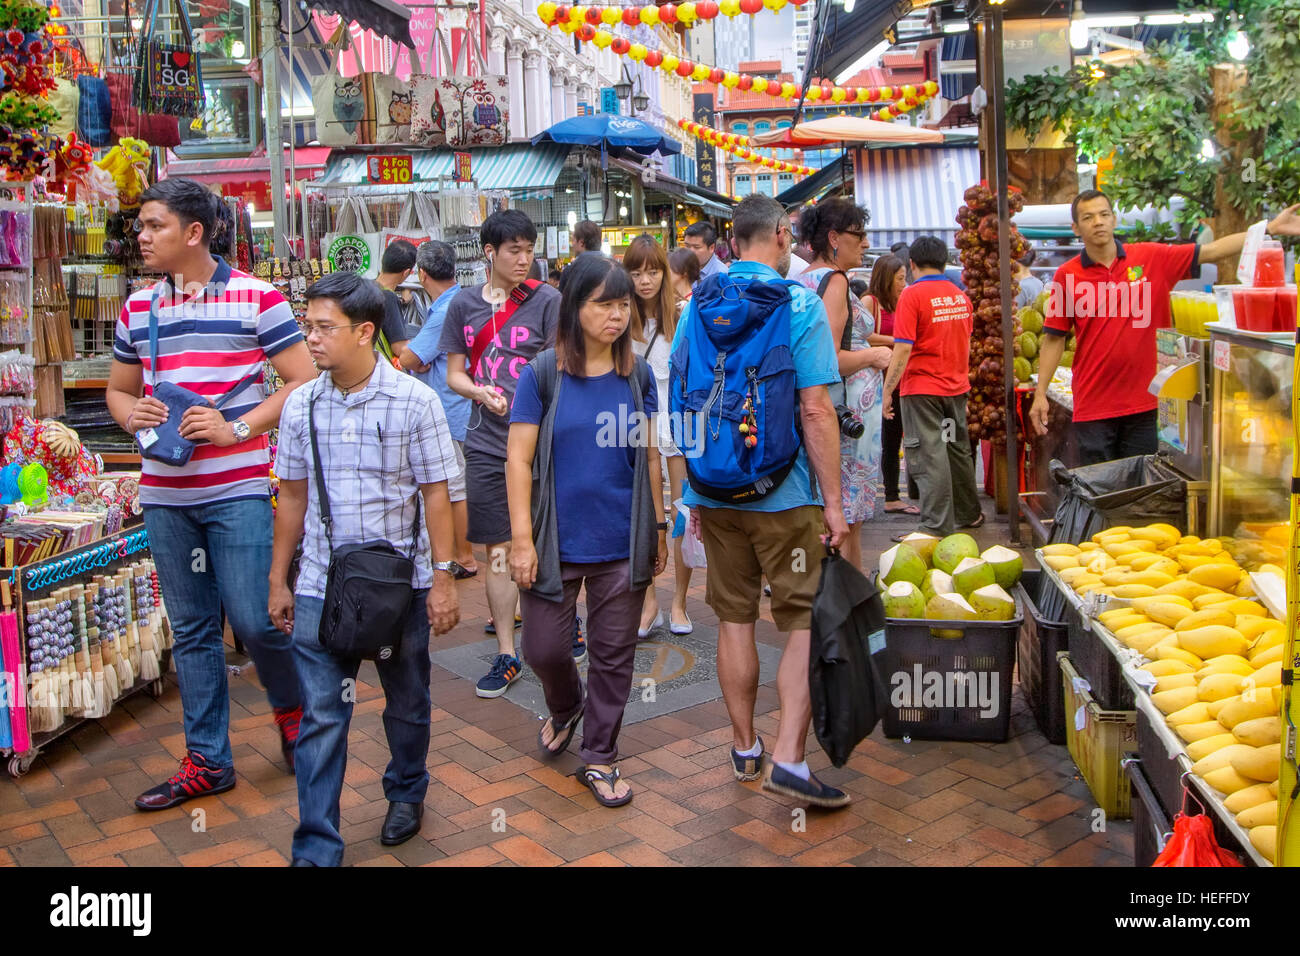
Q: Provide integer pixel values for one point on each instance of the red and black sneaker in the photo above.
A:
(195, 778)
(288, 720)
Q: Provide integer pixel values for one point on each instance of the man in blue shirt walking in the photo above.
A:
(435, 264)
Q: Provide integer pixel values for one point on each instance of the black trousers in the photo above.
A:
(891, 440)
(1108, 439)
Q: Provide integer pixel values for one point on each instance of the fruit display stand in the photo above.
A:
(76, 617)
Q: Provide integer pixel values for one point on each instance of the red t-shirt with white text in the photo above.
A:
(936, 318)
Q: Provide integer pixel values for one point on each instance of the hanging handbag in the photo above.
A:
(94, 111)
(354, 245)
(164, 442)
(478, 110)
(156, 129)
(342, 105)
(168, 76)
(368, 589)
(428, 117)
(415, 224)
(392, 109)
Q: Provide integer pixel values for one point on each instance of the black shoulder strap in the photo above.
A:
(846, 337)
(546, 372)
(639, 379)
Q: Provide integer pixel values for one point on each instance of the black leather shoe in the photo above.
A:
(401, 823)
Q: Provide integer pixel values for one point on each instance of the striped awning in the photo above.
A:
(913, 191)
(527, 171)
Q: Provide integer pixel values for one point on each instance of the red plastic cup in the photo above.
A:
(1260, 307)
(1270, 266)
(1239, 306)
(1284, 316)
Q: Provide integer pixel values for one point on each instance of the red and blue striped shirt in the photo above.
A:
(209, 338)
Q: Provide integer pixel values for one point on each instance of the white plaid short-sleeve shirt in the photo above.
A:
(377, 447)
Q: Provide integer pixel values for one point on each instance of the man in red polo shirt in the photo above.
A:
(1113, 297)
(932, 330)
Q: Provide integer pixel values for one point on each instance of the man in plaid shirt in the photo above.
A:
(384, 445)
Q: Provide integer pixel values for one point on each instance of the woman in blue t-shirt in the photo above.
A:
(586, 508)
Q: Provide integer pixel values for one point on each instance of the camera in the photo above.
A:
(850, 425)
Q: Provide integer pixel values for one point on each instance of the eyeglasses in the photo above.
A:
(858, 234)
(324, 331)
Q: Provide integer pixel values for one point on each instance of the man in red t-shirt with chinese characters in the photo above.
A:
(932, 330)
(1113, 297)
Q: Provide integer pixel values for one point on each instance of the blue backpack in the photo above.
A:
(731, 389)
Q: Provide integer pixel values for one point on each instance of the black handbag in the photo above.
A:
(368, 588)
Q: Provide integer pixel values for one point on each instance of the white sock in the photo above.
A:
(753, 751)
(799, 769)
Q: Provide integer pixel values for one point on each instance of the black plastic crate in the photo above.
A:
(975, 669)
(1095, 663)
(1163, 773)
(1151, 822)
(1040, 641)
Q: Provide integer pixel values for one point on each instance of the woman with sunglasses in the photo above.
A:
(834, 231)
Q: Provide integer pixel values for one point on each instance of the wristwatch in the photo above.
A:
(662, 525)
(448, 566)
(241, 430)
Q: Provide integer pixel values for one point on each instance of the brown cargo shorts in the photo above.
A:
(743, 547)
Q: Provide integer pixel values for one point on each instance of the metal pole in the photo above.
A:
(271, 116)
(291, 215)
(998, 177)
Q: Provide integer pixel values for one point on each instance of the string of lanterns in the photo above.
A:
(685, 13)
(738, 145)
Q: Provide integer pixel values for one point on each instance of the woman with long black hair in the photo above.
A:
(583, 420)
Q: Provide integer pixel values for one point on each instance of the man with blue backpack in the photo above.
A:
(751, 362)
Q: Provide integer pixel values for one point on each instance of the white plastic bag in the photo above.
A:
(354, 245)
(417, 224)
(692, 544)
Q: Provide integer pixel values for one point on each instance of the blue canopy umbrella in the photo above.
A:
(611, 133)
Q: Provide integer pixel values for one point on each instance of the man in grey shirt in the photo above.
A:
(491, 332)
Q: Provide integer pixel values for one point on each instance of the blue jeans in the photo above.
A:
(321, 755)
(210, 558)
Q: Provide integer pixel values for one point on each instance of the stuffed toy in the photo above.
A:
(126, 163)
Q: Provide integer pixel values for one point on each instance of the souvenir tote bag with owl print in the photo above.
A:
(481, 114)
(340, 105)
(428, 118)
(168, 79)
(392, 109)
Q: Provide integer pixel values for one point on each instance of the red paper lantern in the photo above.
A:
(751, 6)
(593, 15)
(668, 13)
(684, 67)
(827, 90)
(745, 82)
(632, 16)
(716, 75)
(561, 14)
(653, 59)
(586, 33)
(773, 89)
(706, 9)
(620, 45)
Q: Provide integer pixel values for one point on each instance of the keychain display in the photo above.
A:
(15, 311)
(16, 373)
(15, 238)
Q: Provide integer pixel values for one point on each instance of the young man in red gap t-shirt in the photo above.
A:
(932, 330)
(1114, 297)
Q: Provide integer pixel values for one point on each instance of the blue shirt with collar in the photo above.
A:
(425, 347)
(712, 267)
(815, 363)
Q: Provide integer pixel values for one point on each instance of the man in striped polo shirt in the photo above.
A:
(209, 520)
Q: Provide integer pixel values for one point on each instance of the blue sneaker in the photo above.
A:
(505, 671)
(811, 791)
(579, 642)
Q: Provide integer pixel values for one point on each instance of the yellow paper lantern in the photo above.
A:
(686, 12)
(700, 73)
(637, 52)
(577, 16)
(788, 90)
(775, 5)
(886, 115)
(650, 15)
(611, 15)
(930, 87)
(729, 8)
(603, 39)
(909, 90)
(670, 62)
(570, 26)
(759, 85)
(886, 93)
(838, 95)
(814, 93)
(731, 80)
(864, 94)
(546, 11)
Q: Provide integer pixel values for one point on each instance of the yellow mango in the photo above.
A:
(1211, 641)
(1152, 578)
(1220, 758)
(1163, 535)
(1270, 656)
(1115, 576)
(1265, 642)
(1188, 539)
(1162, 612)
(1270, 675)
(1204, 619)
(1207, 745)
(1089, 585)
(1259, 732)
(1217, 686)
(1272, 788)
(1061, 550)
(1244, 588)
(1181, 587)
(1069, 574)
(1098, 562)
(1060, 562)
(1126, 560)
(1122, 617)
(1250, 797)
(1145, 641)
(1264, 839)
(1260, 763)
(1192, 714)
(1264, 704)
(1171, 700)
(1260, 815)
(1221, 576)
(1134, 588)
(1169, 652)
(1141, 560)
(1243, 608)
(1174, 682)
(1117, 530)
(1210, 599)
(1088, 546)
(1117, 548)
(1165, 668)
(1194, 732)
(1206, 546)
(1190, 562)
(1214, 706)
(1227, 780)
(1227, 664)
(1252, 627)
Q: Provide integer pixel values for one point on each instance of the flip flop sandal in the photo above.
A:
(568, 729)
(590, 777)
(908, 510)
(459, 572)
(977, 523)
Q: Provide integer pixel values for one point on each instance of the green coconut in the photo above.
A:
(901, 563)
(1007, 565)
(904, 599)
(949, 552)
(936, 582)
(923, 544)
(971, 575)
(991, 603)
(949, 607)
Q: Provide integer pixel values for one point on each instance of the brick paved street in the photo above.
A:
(921, 803)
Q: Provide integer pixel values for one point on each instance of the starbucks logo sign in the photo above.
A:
(349, 254)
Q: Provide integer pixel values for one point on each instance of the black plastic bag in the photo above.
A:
(848, 628)
(1131, 491)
